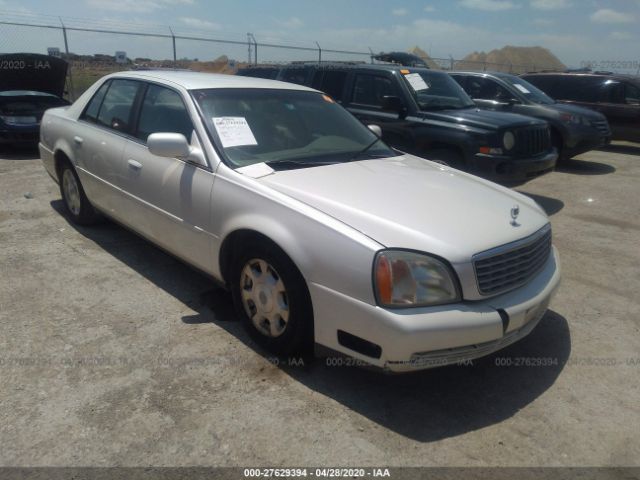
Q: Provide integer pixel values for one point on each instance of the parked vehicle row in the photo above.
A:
(426, 113)
(325, 235)
(574, 130)
(583, 111)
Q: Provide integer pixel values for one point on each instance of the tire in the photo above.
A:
(75, 201)
(446, 156)
(271, 297)
(557, 142)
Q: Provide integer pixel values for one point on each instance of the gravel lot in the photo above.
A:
(114, 353)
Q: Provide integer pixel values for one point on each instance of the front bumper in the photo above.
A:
(19, 137)
(581, 143)
(502, 168)
(420, 338)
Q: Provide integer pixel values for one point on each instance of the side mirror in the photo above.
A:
(168, 145)
(392, 103)
(174, 145)
(375, 129)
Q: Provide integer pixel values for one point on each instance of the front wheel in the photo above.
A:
(76, 202)
(271, 298)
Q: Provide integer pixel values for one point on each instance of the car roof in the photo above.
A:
(200, 80)
(614, 76)
(480, 74)
(344, 66)
(385, 67)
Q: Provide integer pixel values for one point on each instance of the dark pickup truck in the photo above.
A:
(426, 113)
(574, 129)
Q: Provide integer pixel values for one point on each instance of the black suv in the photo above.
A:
(615, 96)
(426, 113)
(574, 130)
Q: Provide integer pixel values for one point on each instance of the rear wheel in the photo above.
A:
(271, 297)
(76, 202)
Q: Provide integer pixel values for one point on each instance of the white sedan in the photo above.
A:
(323, 234)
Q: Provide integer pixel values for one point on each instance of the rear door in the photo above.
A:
(99, 139)
(170, 198)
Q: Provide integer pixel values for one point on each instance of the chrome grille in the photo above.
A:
(511, 265)
(602, 126)
(531, 141)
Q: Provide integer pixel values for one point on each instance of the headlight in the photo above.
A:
(575, 119)
(409, 279)
(508, 140)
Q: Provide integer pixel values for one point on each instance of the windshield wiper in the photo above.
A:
(299, 162)
(365, 150)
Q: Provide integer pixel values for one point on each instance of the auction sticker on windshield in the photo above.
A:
(416, 81)
(234, 131)
(521, 88)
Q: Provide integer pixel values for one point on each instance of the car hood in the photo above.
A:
(576, 110)
(409, 202)
(30, 71)
(483, 119)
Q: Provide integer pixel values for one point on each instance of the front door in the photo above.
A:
(170, 197)
(366, 102)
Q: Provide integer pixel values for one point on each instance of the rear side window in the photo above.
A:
(371, 89)
(631, 94)
(333, 84)
(117, 105)
(91, 112)
(546, 83)
(163, 111)
(612, 92)
(578, 88)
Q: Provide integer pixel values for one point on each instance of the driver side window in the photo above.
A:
(487, 89)
(371, 90)
(163, 111)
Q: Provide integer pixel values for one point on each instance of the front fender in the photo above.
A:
(325, 250)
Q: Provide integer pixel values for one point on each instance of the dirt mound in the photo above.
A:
(512, 59)
(425, 56)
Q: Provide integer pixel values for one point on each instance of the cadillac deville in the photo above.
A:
(323, 234)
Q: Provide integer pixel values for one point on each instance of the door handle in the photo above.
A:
(78, 140)
(134, 164)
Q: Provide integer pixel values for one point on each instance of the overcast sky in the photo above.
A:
(575, 30)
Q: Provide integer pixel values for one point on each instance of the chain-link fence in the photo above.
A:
(95, 48)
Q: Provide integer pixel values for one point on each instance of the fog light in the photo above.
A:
(490, 150)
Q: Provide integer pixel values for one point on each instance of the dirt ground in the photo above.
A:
(114, 353)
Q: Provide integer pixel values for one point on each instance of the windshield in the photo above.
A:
(286, 127)
(529, 91)
(437, 91)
